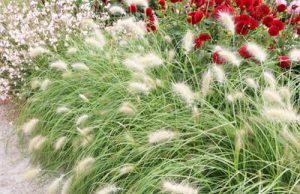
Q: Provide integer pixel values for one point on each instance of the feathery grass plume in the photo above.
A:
(256, 51)
(36, 143)
(280, 115)
(34, 52)
(85, 131)
(86, 140)
(239, 141)
(126, 169)
(93, 42)
(45, 84)
(290, 137)
(142, 3)
(168, 39)
(270, 79)
(67, 186)
(285, 93)
(115, 9)
(88, 23)
(294, 54)
(72, 50)
(206, 83)
(150, 60)
(127, 108)
(272, 97)
(59, 143)
(84, 165)
(138, 88)
(178, 188)
(234, 96)
(132, 64)
(185, 92)
(109, 189)
(228, 56)
(80, 66)
(196, 114)
(227, 20)
(130, 25)
(83, 98)
(62, 109)
(59, 65)
(188, 41)
(161, 135)
(251, 83)
(30, 126)
(35, 84)
(31, 173)
(218, 73)
(54, 187)
(82, 119)
(171, 55)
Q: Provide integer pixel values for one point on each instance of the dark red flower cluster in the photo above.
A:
(259, 12)
(244, 53)
(244, 23)
(284, 61)
(247, 5)
(195, 17)
(151, 19)
(163, 4)
(276, 27)
(201, 39)
(132, 8)
(281, 8)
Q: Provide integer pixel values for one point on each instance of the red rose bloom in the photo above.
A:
(132, 8)
(298, 31)
(195, 17)
(267, 21)
(222, 8)
(273, 30)
(175, 1)
(260, 11)
(244, 53)
(278, 23)
(217, 58)
(284, 62)
(198, 3)
(281, 8)
(163, 4)
(244, 23)
(149, 12)
(201, 39)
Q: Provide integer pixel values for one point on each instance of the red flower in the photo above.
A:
(273, 30)
(244, 53)
(260, 11)
(132, 8)
(244, 23)
(201, 39)
(281, 8)
(298, 31)
(217, 58)
(222, 8)
(284, 61)
(198, 3)
(219, 1)
(267, 21)
(278, 23)
(163, 4)
(149, 12)
(247, 4)
(175, 1)
(195, 17)
(151, 26)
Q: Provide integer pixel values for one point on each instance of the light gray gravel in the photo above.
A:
(12, 162)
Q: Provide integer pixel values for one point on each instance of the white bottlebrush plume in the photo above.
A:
(88, 23)
(251, 83)
(126, 169)
(80, 66)
(31, 173)
(86, 140)
(218, 73)
(60, 65)
(171, 55)
(290, 137)
(238, 141)
(142, 3)
(206, 83)
(280, 115)
(115, 9)
(30, 126)
(150, 60)
(185, 92)
(83, 98)
(34, 52)
(59, 143)
(227, 20)
(132, 64)
(35, 84)
(85, 131)
(45, 84)
(188, 41)
(138, 88)
(94, 42)
(66, 186)
(54, 187)
(72, 50)
(109, 189)
(294, 54)
(161, 135)
(127, 108)
(196, 114)
(234, 96)
(270, 79)
(131, 26)
(36, 143)
(84, 165)
(228, 56)
(62, 109)
(178, 188)
(256, 51)
(285, 93)
(272, 97)
(82, 119)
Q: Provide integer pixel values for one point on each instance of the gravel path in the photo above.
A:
(12, 162)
